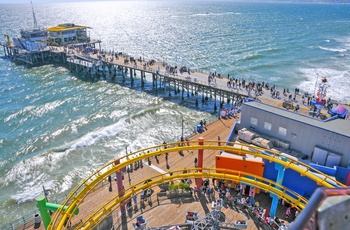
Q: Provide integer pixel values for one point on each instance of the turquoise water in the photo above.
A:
(55, 128)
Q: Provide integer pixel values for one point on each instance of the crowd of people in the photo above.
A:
(233, 82)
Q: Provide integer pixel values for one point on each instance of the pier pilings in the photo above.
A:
(96, 68)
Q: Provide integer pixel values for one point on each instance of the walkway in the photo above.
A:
(202, 78)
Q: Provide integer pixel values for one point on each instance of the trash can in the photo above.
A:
(37, 220)
(199, 129)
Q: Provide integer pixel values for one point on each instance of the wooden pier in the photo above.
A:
(112, 66)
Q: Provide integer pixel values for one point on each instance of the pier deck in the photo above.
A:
(162, 211)
(195, 81)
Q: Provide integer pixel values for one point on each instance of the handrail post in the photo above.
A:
(200, 163)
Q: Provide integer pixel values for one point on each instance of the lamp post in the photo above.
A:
(128, 168)
(315, 85)
(176, 56)
(110, 183)
(128, 171)
(182, 128)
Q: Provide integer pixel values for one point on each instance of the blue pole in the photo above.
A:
(279, 181)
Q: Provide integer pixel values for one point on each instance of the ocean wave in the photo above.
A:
(252, 54)
(264, 66)
(143, 113)
(67, 182)
(340, 50)
(249, 57)
(338, 81)
(20, 112)
(270, 50)
(37, 111)
(47, 107)
(28, 176)
(30, 192)
(214, 14)
(24, 170)
(93, 137)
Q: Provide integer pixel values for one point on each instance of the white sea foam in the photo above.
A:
(74, 128)
(31, 174)
(37, 111)
(27, 169)
(118, 113)
(91, 138)
(28, 177)
(340, 50)
(344, 41)
(339, 82)
(21, 111)
(58, 132)
(215, 14)
(67, 182)
(30, 192)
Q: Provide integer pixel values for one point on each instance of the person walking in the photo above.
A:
(135, 199)
(142, 194)
(149, 193)
(288, 212)
(195, 162)
(296, 214)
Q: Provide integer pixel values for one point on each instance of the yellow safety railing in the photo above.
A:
(79, 193)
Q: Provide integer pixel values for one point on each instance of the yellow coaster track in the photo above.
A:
(80, 192)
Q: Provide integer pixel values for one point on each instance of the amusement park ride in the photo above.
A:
(333, 213)
(320, 100)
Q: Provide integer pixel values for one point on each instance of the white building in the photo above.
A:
(324, 142)
(67, 33)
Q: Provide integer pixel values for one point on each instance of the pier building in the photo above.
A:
(31, 39)
(325, 142)
(67, 33)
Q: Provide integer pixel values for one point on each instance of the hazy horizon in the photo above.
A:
(60, 1)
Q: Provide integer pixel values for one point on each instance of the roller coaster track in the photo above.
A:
(88, 185)
(106, 209)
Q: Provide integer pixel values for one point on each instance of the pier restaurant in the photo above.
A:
(67, 33)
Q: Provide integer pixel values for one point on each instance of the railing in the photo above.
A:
(77, 196)
(112, 205)
(24, 221)
(27, 220)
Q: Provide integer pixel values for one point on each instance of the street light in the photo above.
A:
(128, 171)
(315, 85)
(110, 183)
(182, 128)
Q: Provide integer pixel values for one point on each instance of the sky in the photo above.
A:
(54, 1)
(43, 1)
(39, 1)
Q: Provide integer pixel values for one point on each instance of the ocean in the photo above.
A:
(55, 127)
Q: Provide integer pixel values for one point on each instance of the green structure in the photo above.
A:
(45, 206)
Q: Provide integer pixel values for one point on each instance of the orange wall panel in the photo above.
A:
(233, 163)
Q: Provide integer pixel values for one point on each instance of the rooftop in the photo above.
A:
(66, 27)
(338, 126)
